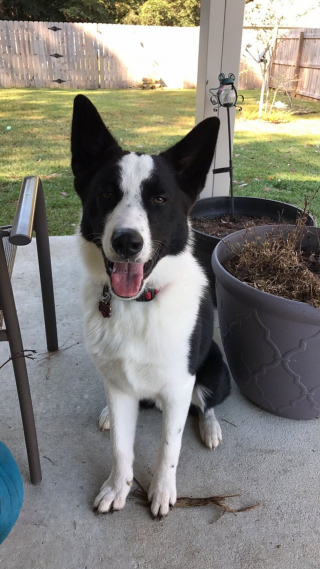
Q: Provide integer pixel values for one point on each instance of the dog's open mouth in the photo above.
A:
(127, 278)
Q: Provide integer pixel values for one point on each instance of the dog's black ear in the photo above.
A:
(192, 156)
(91, 142)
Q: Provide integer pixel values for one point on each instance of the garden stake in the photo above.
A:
(226, 98)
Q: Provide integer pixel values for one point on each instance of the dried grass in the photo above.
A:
(279, 266)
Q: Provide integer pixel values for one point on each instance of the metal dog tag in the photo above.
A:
(105, 303)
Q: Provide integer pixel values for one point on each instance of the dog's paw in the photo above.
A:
(112, 496)
(104, 419)
(210, 430)
(162, 494)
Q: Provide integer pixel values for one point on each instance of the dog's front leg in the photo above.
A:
(123, 417)
(162, 492)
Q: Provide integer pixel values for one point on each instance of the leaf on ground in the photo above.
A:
(63, 193)
(54, 175)
(267, 189)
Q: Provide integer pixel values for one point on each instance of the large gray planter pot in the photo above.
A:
(216, 207)
(272, 344)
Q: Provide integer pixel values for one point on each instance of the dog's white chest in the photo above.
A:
(142, 345)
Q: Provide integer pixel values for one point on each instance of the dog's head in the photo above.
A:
(136, 206)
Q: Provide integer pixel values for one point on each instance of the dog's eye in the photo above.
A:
(159, 200)
(107, 195)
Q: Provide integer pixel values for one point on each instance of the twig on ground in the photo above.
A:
(48, 459)
(50, 354)
(225, 420)
(187, 502)
(22, 354)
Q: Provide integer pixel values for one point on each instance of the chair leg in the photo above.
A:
(45, 269)
(20, 370)
(30, 434)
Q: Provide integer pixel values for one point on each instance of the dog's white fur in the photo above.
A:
(142, 352)
(130, 213)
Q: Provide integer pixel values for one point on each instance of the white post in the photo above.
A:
(221, 23)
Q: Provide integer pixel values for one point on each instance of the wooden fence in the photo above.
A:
(93, 56)
(296, 62)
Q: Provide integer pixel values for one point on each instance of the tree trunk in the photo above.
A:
(267, 69)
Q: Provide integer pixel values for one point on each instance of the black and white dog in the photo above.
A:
(147, 308)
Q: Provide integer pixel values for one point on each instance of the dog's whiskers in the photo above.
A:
(159, 248)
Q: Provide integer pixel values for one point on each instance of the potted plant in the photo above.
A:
(236, 212)
(272, 343)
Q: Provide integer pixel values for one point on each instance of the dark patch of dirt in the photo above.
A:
(222, 226)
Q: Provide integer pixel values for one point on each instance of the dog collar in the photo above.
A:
(105, 300)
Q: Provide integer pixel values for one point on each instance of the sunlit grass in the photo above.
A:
(278, 160)
(39, 143)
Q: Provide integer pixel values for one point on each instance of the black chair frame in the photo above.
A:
(30, 216)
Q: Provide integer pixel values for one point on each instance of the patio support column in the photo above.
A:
(221, 24)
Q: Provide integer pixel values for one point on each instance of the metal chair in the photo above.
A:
(30, 216)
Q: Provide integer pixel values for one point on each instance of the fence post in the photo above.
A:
(296, 73)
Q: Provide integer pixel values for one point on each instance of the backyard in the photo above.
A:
(278, 158)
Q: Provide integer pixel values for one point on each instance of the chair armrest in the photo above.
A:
(22, 226)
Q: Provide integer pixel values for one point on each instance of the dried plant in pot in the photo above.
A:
(272, 343)
(220, 207)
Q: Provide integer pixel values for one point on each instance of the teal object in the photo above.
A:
(11, 492)
(9, 127)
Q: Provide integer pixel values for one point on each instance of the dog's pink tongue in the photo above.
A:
(126, 278)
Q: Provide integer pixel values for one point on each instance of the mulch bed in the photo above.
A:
(222, 226)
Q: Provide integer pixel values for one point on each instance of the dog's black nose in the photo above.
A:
(126, 242)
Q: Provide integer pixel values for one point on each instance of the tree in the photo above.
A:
(143, 12)
(39, 10)
(166, 13)
(102, 11)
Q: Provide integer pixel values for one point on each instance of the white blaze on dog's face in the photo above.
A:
(129, 213)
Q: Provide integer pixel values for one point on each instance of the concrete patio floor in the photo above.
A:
(264, 458)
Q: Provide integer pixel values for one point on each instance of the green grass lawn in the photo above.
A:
(279, 161)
